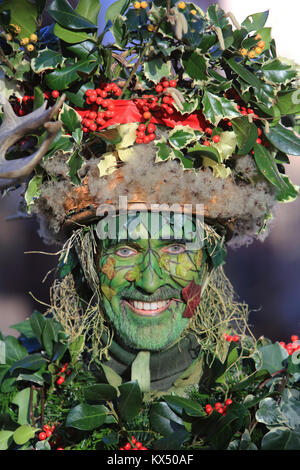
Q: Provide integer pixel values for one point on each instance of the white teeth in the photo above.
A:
(150, 305)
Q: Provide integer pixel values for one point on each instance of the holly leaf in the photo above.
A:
(192, 296)
(216, 108)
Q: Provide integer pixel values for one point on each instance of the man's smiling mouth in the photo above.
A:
(149, 309)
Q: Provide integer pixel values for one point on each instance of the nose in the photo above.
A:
(151, 276)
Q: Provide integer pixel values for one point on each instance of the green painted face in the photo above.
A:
(143, 277)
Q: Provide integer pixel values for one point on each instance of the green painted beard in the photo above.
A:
(143, 281)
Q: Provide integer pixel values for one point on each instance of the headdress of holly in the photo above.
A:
(167, 104)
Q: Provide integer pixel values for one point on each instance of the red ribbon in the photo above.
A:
(127, 111)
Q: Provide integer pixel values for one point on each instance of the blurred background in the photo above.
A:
(266, 274)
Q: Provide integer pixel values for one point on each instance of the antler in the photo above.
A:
(14, 128)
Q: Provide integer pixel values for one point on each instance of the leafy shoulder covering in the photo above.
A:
(50, 399)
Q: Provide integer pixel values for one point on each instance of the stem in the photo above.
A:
(4, 59)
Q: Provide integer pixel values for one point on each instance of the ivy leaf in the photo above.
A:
(216, 108)
(192, 295)
(281, 438)
(272, 357)
(164, 150)
(6, 438)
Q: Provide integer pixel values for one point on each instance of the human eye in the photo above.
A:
(126, 252)
(174, 249)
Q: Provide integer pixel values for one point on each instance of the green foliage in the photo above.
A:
(99, 411)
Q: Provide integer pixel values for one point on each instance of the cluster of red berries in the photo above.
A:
(230, 338)
(161, 105)
(102, 106)
(293, 346)
(219, 407)
(215, 138)
(23, 106)
(47, 432)
(134, 445)
(63, 370)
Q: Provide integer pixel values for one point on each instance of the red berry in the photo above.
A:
(92, 98)
(89, 92)
(152, 136)
(294, 338)
(138, 445)
(91, 115)
(165, 83)
(141, 135)
(259, 131)
(208, 131)
(147, 115)
(48, 433)
(235, 338)
(258, 140)
(118, 92)
(151, 127)
(100, 121)
(206, 143)
(60, 448)
(127, 446)
(46, 427)
(93, 126)
(166, 99)
(146, 139)
(173, 83)
(142, 127)
(99, 100)
(228, 402)
(42, 436)
(55, 94)
(133, 439)
(139, 141)
(250, 111)
(229, 124)
(159, 88)
(60, 380)
(109, 114)
(170, 110)
(103, 94)
(216, 139)
(105, 103)
(218, 405)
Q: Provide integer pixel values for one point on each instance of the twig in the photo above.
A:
(270, 378)
(4, 59)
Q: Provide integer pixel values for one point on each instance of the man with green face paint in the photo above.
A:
(151, 280)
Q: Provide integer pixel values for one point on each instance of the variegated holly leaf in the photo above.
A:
(191, 295)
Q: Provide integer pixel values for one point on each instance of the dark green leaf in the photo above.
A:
(77, 96)
(173, 441)
(63, 78)
(130, 400)
(195, 65)
(31, 362)
(75, 162)
(63, 13)
(115, 9)
(246, 133)
(199, 150)
(255, 21)
(71, 37)
(89, 9)
(289, 103)
(284, 140)
(24, 328)
(191, 407)
(276, 72)
(85, 50)
(22, 13)
(244, 73)
(216, 108)
(87, 417)
(37, 322)
(14, 351)
(99, 392)
(163, 420)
